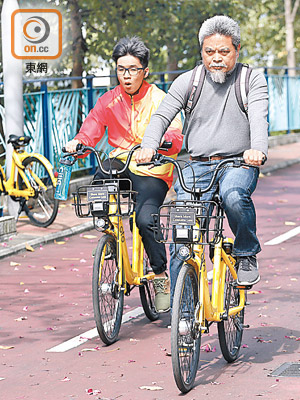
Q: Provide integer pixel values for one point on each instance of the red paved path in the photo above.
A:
(57, 306)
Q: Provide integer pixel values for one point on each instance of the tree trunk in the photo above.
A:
(289, 25)
(78, 43)
(172, 64)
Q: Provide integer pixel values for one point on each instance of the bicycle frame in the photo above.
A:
(212, 306)
(17, 160)
(134, 273)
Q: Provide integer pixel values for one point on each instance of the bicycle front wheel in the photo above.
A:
(185, 337)
(230, 331)
(108, 298)
(42, 208)
(147, 293)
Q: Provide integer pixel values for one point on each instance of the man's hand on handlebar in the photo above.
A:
(144, 155)
(254, 157)
(71, 146)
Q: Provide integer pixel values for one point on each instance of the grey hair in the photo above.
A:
(222, 25)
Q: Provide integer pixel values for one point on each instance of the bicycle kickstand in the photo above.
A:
(22, 202)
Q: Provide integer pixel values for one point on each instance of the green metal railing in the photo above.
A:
(52, 117)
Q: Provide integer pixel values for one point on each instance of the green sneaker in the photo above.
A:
(162, 294)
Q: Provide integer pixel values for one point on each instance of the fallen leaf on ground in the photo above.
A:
(28, 247)
(131, 361)
(59, 242)
(14, 264)
(88, 350)
(6, 347)
(70, 258)
(89, 237)
(49, 267)
(92, 392)
(66, 379)
(109, 351)
(21, 319)
(282, 201)
(254, 291)
(289, 223)
(151, 388)
(25, 308)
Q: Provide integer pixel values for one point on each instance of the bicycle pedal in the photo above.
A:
(245, 326)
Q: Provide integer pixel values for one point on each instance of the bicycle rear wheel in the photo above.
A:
(230, 331)
(108, 298)
(185, 338)
(147, 293)
(42, 208)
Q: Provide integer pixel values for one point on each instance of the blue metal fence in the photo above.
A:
(52, 117)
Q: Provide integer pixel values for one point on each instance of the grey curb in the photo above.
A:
(5, 252)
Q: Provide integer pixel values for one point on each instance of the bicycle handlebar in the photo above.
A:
(159, 159)
(82, 149)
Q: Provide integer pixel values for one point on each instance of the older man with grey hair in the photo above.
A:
(219, 129)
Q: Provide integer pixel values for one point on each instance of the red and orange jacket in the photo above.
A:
(126, 118)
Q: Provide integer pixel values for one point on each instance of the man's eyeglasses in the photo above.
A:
(133, 71)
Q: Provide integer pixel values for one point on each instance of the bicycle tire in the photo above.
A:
(230, 331)
(185, 341)
(43, 207)
(108, 299)
(147, 293)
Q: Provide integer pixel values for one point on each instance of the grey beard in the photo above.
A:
(220, 76)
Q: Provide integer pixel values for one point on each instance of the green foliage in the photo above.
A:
(170, 29)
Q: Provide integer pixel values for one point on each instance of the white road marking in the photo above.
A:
(85, 336)
(283, 237)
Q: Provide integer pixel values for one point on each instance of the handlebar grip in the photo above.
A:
(144, 164)
(165, 146)
(64, 150)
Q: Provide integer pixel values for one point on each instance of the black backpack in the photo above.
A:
(241, 86)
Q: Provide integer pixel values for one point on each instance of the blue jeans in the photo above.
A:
(235, 188)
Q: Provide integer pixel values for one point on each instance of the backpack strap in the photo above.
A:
(241, 85)
(194, 91)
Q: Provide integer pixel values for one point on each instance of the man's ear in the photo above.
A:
(146, 72)
(238, 51)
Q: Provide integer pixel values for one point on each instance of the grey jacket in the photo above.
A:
(217, 125)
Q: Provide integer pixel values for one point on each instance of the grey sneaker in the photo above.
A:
(247, 271)
(162, 294)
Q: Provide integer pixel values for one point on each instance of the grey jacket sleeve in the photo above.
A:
(258, 111)
(171, 105)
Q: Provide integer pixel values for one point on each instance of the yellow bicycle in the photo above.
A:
(195, 227)
(115, 273)
(32, 183)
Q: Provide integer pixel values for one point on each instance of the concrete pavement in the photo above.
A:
(284, 151)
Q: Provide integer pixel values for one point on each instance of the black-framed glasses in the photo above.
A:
(133, 71)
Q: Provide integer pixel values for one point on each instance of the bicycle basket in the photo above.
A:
(188, 222)
(106, 197)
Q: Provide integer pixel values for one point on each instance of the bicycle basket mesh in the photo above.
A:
(188, 221)
(106, 197)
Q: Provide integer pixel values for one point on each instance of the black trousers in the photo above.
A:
(151, 193)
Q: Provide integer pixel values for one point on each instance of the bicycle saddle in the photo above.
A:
(18, 140)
